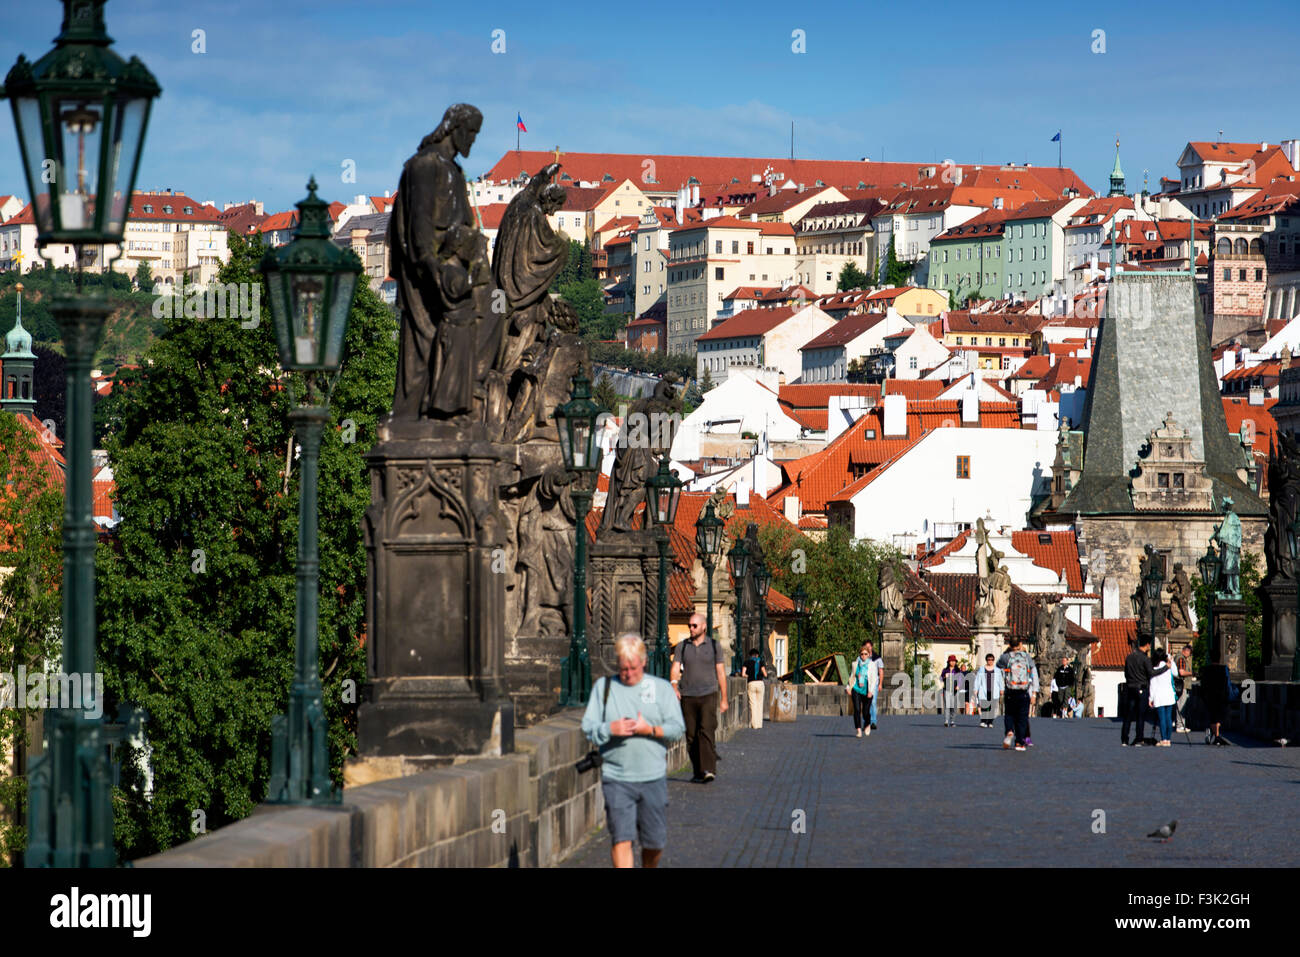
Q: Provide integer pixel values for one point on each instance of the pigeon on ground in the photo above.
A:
(1164, 831)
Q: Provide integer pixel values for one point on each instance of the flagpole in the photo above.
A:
(517, 115)
(1060, 140)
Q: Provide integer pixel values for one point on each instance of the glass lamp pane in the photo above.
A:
(344, 285)
(27, 113)
(277, 285)
(562, 427)
(129, 117)
(581, 443)
(307, 297)
(80, 131)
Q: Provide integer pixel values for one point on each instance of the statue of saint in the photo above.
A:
(1283, 504)
(999, 597)
(1227, 535)
(641, 443)
(439, 260)
(1180, 596)
(1049, 627)
(891, 592)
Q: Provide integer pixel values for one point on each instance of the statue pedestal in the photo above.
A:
(990, 639)
(1177, 639)
(1279, 629)
(434, 614)
(892, 640)
(1230, 636)
(623, 576)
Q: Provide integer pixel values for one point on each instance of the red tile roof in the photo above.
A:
(1116, 641)
(279, 221)
(751, 322)
(845, 331)
(781, 201)
(985, 324)
(178, 203)
(817, 478)
(1066, 370)
(1060, 554)
(918, 389)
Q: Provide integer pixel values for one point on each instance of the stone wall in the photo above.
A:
(527, 809)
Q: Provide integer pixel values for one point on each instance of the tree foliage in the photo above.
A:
(897, 273)
(31, 530)
(649, 363)
(197, 591)
(851, 277)
(1251, 575)
(144, 280)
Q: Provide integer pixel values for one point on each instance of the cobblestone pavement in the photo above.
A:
(917, 794)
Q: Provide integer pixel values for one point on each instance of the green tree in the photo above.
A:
(851, 277)
(31, 529)
(952, 299)
(604, 393)
(1251, 575)
(706, 381)
(144, 280)
(197, 590)
(896, 273)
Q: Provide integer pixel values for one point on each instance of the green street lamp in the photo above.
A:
(762, 582)
(576, 422)
(80, 113)
(708, 543)
(662, 493)
(1209, 565)
(311, 283)
(914, 618)
(738, 563)
(800, 599)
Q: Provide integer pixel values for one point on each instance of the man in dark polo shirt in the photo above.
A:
(700, 681)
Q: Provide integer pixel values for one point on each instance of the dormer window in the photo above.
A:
(189, 210)
(148, 209)
(167, 210)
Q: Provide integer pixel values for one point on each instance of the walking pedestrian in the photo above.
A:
(1137, 681)
(1215, 684)
(1183, 673)
(1062, 684)
(1020, 678)
(863, 681)
(634, 752)
(954, 689)
(755, 672)
(1161, 695)
(880, 677)
(700, 679)
(988, 690)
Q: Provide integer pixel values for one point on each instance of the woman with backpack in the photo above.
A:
(1162, 696)
(863, 680)
(1021, 683)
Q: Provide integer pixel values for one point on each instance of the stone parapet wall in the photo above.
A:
(529, 809)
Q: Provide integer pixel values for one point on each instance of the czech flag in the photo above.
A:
(519, 122)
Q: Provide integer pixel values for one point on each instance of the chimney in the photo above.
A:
(1051, 359)
(742, 495)
(895, 417)
(970, 407)
(695, 195)
(1256, 396)
(793, 510)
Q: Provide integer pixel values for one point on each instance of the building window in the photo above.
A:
(1178, 480)
(1002, 341)
(959, 340)
(1241, 275)
(717, 245)
(1259, 275)
(717, 272)
(1227, 274)
(1162, 480)
(749, 248)
(963, 466)
(911, 362)
(988, 340)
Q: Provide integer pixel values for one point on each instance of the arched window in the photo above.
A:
(1256, 247)
(1241, 246)
(1225, 246)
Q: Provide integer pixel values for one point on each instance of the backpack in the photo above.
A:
(1019, 670)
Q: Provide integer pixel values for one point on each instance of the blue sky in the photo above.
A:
(288, 88)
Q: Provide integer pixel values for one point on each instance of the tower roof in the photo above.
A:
(1152, 359)
(18, 342)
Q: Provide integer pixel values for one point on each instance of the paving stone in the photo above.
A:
(917, 794)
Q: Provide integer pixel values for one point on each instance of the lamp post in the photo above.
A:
(1153, 582)
(1293, 545)
(1209, 565)
(800, 599)
(663, 491)
(762, 582)
(914, 617)
(576, 422)
(311, 284)
(80, 113)
(708, 543)
(738, 562)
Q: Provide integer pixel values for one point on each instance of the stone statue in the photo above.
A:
(891, 592)
(1180, 597)
(528, 256)
(987, 559)
(644, 439)
(1049, 628)
(1227, 535)
(439, 261)
(999, 584)
(542, 601)
(1141, 605)
(1283, 505)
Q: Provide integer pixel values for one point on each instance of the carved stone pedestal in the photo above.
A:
(435, 606)
(892, 650)
(991, 639)
(1279, 629)
(1230, 637)
(623, 570)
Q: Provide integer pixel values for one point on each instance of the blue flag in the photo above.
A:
(1057, 137)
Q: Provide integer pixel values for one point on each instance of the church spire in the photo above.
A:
(18, 364)
(1116, 175)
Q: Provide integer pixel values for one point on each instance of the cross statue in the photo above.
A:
(558, 154)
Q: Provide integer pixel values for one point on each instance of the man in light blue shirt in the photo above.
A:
(631, 720)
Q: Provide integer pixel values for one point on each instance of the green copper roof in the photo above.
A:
(19, 342)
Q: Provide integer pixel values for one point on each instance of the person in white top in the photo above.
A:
(1162, 696)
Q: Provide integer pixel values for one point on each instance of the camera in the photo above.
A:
(592, 760)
